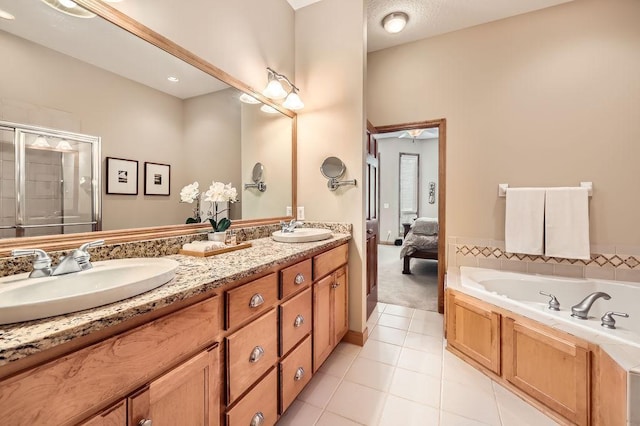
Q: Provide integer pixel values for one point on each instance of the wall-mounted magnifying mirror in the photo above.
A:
(333, 168)
(256, 177)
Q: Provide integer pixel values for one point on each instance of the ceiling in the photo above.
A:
(428, 18)
(430, 133)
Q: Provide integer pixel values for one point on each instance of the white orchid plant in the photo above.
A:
(218, 192)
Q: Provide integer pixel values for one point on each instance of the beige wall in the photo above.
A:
(550, 98)
(330, 64)
(240, 37)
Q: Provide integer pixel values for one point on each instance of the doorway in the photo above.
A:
(413, 200)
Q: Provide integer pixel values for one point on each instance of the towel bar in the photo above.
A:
(502, 188)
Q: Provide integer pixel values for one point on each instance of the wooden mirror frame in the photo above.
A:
(67, 241)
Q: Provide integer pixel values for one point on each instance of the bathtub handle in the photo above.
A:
(554, 305)
(609, 322)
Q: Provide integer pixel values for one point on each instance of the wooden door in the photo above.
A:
(322, 319)
(340, 306)
(188, 395)
(116, 415)
(550, 366)
(372, 210)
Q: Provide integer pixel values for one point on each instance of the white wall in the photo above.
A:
(390, 149)
(330, 66)
(549, 98)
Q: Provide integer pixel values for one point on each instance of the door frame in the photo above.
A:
(441, 124)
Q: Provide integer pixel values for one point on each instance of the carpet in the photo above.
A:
(416, 290)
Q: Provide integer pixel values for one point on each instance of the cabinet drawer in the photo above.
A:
(262, 401)
(86, 378)
(295, 373)
(249, 300)
(329, 261)
(295, 320)
(251, 351)
(295, 278)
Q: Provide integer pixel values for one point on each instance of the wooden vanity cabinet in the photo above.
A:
(115, 415)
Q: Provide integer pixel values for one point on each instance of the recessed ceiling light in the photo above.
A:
(69, 7)
(395, 22)
(248, 99)
(173, 79)
(6, 15)
(268, 109)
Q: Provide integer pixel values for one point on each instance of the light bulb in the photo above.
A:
(274, 90)
(395, 22)
(268, 109)
(293, 101)
(248, 99)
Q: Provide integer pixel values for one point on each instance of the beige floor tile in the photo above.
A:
(370, 373)
(422, 362)
(400, 411)
(516, 412)
(358, 403)
(421, 315)
(330, 419)
(380, 351)
(431, 327)
(300, 413)
(416, 387)
(381, 307)
(423, 342)
(348, 349)
(401, 311)
(450, 419)
(388, 334)
(469, 401)
(337, 364)
(319, 390)
(394, 321)
(456, 370)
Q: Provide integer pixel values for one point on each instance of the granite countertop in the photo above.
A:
(194, 276)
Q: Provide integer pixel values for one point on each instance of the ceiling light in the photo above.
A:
(395, 22)
(293, 101)
(41, 142)
(6, 15)
(268, 109)
(248, 99)
(173, 79)
(69, 7)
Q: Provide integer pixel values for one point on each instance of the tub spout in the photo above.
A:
(581, 310)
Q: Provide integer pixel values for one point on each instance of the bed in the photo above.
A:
(420, 241)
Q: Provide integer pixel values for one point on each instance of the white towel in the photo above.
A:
(524, 220)
(202, 246)
(567, 223)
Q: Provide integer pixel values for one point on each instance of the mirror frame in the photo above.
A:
(67, 241)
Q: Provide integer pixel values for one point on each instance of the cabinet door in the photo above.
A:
(114, 416)
(474, 329)
(322, 319)
(549, 366)
(188, 395)
(339, 296)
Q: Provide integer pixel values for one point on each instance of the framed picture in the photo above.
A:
(157, 178)
(122, 176)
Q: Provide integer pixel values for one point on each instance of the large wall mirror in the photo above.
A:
(91, 76)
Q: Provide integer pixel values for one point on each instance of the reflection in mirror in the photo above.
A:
(256, 175)
(89, 76)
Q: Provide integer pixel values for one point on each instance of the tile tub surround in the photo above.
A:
(159, 247)
(194, 276)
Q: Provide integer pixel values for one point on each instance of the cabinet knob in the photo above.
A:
(335, 285)
(299, 374)
(256, 354)
(298, 321)
(145, 422)
(299, 279)
(256, 300)
(257, 419)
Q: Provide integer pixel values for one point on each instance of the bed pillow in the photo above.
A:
(425, 226)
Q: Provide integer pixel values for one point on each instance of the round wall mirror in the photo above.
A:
(256, 175)
(332, 168)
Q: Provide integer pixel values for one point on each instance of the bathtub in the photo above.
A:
(510, 289)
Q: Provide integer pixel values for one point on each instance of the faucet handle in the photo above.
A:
(41, 264)
(609, 322)
(82, 255)
(554, 305)
(90, 244)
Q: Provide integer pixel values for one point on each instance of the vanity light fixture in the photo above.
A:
(395, 22)
(274, 90)
(248, 99)
(6, 15)
(69, 7)
(64, 145)
(268, 109)
(173, 79)
(41, 142)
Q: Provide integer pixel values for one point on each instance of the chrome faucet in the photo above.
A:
(581, 310)
(288, 227)
(76, 261)
(41, 263)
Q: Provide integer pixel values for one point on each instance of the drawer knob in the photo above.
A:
(299, 279)
(145, 422)
(256, 354)
(335, 285)
(257, 419)
(256, 300)
(298, 321)
(299, 374)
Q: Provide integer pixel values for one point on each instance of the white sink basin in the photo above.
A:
(24, 299)
(302, 235)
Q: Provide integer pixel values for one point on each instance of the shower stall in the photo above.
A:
(50, 181)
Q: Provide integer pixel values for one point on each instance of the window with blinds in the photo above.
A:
(409, 188)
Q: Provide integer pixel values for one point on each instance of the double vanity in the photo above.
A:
(232, 339)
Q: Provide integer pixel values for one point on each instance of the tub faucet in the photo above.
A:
(581, 310)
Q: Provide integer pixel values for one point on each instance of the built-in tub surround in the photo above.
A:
(195, 276)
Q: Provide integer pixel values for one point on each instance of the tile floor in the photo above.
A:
(403, 376)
